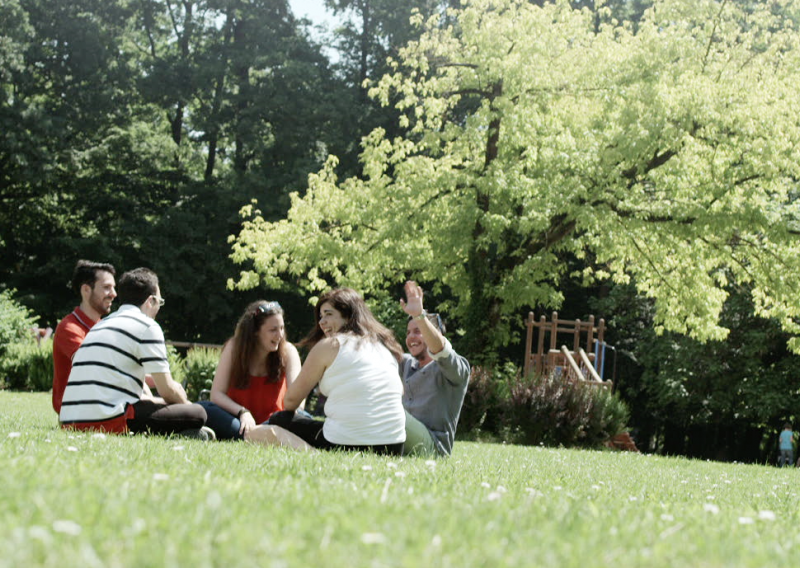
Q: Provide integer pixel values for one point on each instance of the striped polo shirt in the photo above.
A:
(109, 367)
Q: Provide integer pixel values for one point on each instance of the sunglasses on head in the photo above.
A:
(268, 308)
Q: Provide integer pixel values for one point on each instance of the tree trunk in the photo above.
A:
(484, 308)
(214, 130)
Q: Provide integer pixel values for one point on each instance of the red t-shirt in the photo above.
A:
(69, 335)
(261, 398)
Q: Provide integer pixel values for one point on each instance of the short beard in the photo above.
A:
(101, 309)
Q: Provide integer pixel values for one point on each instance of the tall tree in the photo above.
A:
(535, 133)
(134, 132)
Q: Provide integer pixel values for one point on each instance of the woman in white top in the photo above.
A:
(354, 360)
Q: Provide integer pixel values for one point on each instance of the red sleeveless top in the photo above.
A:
(261, 398)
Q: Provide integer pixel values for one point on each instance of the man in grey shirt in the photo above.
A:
(435, 381)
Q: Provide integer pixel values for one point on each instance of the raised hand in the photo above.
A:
(412, 305)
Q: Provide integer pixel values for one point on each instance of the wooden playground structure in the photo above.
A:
(584, 362)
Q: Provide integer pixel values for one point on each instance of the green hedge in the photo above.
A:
(16, 321)
(26, 365)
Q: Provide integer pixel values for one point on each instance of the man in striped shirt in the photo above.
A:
(106, 388)
(94, 283)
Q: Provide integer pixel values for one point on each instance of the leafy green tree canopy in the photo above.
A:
(665, 155)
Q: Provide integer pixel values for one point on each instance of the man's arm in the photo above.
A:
(171, 391)
(455, 368)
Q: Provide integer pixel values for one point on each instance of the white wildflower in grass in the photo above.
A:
(366, 468)
(160, 476)
(633, 498)
(430, 463)
(494, 496)
(485, 485)
(501, 489)
(98, 436)
(177, 448)
(373, 538)
(766, 515)
(38, 532)
(711, 508)
(48, 440)
(67, 527)
(710, 497)
(557, 488)
(391, 465)
(138, 525)
(436, 541)
(667, 517)
(596, 487)
(14, 434)
(214, 500)
(746, 520)
(534, 492)
(399, 473)
(72, 449)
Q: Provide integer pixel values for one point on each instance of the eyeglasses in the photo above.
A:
(268, 308)
(161, 301)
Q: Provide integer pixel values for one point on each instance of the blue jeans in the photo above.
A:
(225, 425)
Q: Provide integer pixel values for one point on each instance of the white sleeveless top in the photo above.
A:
(364, 405)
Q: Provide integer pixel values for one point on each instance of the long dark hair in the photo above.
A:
(244, 345)
(359, 320)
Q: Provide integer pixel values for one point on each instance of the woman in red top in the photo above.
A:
(255, 367)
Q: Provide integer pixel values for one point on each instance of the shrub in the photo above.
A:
(608, 416)
(177, 366)
(485, 399)
(27, 365)
(15, 321)
(199, 367)
(553, 411)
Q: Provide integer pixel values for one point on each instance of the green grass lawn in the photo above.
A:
(86, 500)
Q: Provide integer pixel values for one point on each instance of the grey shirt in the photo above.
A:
(434, 394)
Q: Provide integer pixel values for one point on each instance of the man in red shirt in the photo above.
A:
(95, 284)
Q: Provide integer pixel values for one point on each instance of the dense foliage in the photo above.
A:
(536, 134)
(198, 367)
(16, 320)
(28, 365)
(135, 131)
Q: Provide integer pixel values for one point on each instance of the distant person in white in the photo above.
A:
(106, 389)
